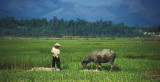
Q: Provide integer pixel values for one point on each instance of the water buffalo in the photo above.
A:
(100, 56)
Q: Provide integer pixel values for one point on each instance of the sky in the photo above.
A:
(130, 12)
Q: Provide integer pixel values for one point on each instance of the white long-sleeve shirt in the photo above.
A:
(55, 52)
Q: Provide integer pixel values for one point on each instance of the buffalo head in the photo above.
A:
(84, 62)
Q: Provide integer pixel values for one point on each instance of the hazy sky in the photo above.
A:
(121, 10)
(38, 5)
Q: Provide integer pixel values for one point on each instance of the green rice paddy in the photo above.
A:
(136, 60)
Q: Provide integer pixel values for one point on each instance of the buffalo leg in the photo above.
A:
(111, 65)
(98, 65)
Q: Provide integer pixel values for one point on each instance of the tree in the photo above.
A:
(60, 27)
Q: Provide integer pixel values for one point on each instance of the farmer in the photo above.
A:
(56, 52)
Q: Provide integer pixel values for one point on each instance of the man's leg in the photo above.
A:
(53, 61)
(58, 62)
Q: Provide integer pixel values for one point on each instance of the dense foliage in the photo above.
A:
(9, 26)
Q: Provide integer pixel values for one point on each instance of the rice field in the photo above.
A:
(136, 60)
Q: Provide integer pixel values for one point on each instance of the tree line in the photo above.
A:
(9, 26)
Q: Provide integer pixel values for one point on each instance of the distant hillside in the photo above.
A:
(4, 13)
(133, 19)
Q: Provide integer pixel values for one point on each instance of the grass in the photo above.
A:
(137, 60)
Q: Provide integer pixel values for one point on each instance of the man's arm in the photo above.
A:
(52, 51)
(58, 52)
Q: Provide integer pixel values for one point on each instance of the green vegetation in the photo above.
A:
(137, 60)
(9, 26)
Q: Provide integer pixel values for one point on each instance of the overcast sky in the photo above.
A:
(87, 9)
(38, 5)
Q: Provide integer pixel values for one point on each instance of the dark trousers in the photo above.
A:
(57, 60)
